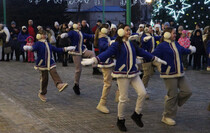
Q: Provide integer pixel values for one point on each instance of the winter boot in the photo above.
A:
(137, 119)
(62, 86)
(102, 107)
(76, 89)
(168, 121)
(121, 125)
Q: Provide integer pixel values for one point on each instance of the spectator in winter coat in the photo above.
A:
(113, 32)
(64, 42)
(197, 41)
(31, 29)
(184, 41)
(140, 29)
(5, 36)
(14, 31)
(86, 29)
(180, 29)
(22, 40)
(98, 24)
(157, 30)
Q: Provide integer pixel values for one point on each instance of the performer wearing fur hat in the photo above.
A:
(178, 89)
(148, 42)
(45, 64)
(77, 40)
(103, 41)
(126, 73)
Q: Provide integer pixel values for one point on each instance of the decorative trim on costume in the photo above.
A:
(44, 68)
(116, 74)
(172, 76)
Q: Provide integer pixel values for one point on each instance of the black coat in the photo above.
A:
(197, 41)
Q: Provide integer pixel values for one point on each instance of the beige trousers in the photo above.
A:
(107, 83)
(78, 66)
(178, 93)
(148, 69)
(123, 85)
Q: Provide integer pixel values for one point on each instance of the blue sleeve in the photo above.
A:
(158, 51)
(35, 46)
(70, 34)
(54, 49)
(157, 38)
(146, 55)
(112, 50)
(184, 51)
(88, 36)
(103, 45)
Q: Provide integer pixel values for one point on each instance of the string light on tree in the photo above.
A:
(206, 1)
(177, 7)
(159, 6)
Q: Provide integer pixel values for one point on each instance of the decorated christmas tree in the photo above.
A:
(183, 12)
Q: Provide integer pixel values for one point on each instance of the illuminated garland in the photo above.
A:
(60, 1)
(173, 8)
(159, 6)
(206, 1)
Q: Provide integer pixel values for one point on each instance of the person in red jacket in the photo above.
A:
(31, 29)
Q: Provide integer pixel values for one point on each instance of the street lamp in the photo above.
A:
(148, 1)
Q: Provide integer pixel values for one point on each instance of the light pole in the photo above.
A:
(4, 11)
(103, 11)
(128, 12)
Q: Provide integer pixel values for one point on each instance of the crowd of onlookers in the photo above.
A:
(14, 38)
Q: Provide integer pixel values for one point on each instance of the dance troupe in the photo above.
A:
(120, 57)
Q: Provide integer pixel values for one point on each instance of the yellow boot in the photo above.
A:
(102, 107)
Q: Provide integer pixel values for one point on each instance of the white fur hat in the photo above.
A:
(157, 25)
(39, 27)
(56, 23)
(113, 26)
(24, 27)
(141, 25)
(70, 23)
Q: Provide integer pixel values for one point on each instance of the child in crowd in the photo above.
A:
(30, 42)
(184, 41)
(45, 64)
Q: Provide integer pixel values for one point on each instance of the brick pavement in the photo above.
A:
(22, 112)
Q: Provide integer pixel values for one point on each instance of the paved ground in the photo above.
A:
(22, 112)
